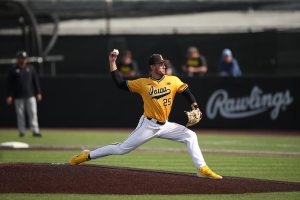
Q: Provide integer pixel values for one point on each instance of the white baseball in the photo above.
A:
(116, 52)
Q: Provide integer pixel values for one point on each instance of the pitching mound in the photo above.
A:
(95, 179)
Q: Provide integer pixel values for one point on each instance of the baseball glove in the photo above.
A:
(194, 116)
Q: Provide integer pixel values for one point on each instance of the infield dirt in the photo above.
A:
(96, 179)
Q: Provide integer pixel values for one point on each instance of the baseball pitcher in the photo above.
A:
(158, 92)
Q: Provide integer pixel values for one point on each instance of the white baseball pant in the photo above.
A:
(31, 108)
(149, 129)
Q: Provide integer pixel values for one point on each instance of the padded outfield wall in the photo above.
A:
(229, 103)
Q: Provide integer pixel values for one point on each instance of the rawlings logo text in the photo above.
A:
(241, 107)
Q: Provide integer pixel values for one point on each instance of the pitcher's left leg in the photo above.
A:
(179, 133)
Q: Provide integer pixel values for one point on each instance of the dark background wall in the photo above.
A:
(269, 52)
(83, 94)
(96, 102)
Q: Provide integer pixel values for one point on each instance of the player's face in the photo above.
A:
(159, 69)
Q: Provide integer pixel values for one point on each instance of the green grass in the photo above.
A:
(206, 141)
(263, 167)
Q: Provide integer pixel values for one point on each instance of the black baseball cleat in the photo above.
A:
(21, 134)
(36, 134)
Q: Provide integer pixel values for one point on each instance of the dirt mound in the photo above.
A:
(95, 179)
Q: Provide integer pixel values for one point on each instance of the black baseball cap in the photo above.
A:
(156, 59)
(21, 54)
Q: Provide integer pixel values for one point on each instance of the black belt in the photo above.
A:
(158, 122)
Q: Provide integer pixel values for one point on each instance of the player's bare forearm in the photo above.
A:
(113, 66)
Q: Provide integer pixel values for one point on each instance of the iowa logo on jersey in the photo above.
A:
(159, 93)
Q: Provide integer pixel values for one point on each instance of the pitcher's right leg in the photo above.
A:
(139, 136)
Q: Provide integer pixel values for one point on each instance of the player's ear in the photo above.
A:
(151, 68)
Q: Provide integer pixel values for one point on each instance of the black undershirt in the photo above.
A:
(119, 81)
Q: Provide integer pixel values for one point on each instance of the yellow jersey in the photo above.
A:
(157, 95)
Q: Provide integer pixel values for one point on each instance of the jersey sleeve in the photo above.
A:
(134, 85)
(180, 85)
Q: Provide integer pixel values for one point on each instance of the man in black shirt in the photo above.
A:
(24, 89)
(195, 63)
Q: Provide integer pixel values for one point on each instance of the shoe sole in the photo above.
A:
(202, 176)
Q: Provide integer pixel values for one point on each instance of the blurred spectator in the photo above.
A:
(170, 70)
(127, 66)
(228, 65)
(23, 90)
(195, 63)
